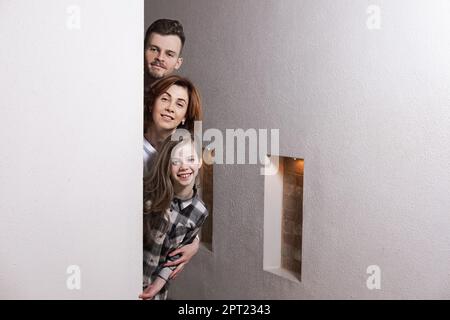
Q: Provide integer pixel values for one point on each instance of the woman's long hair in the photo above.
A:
(194, 109)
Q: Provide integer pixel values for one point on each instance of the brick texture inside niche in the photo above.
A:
(291, 225)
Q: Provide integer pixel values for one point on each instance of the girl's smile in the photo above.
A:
(185, 165)
(185, 176)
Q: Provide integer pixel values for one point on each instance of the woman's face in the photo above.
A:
(170, 108)
(185, 165)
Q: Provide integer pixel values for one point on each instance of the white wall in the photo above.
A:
(70, 143)
(369, 112)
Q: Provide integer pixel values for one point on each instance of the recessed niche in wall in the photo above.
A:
(206, 194)
(283, 216)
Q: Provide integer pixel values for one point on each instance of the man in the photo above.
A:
(164, 41)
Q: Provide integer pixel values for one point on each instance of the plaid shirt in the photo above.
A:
(184, 219)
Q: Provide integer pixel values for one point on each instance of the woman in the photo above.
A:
(170, 103)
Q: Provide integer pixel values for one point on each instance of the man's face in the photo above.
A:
(162, 55)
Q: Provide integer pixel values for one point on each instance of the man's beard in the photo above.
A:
(149, 79)
(155, 75)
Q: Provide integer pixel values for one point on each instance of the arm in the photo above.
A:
(152, 289)
(181, 256)
(154, 236)
(189, 247)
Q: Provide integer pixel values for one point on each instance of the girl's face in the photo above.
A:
(170, 108)
(185, 165)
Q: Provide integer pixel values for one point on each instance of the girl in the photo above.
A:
(173, 212)
(170, 103)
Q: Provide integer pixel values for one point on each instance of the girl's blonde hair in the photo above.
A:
(158, 186)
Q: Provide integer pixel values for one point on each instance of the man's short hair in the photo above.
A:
(166, 27)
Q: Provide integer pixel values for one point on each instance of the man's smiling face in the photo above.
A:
(162, 55)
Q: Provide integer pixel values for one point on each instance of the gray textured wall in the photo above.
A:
(368, 110)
